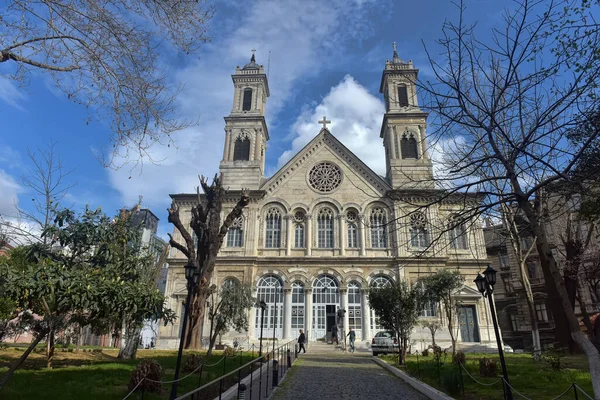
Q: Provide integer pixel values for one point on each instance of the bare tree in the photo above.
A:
(510, 102)
(106, 57)
(206, 224)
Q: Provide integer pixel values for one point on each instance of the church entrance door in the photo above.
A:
(326, 301)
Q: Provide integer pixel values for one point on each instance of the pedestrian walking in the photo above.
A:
(334, 334)
(301, 341)
(352, 336)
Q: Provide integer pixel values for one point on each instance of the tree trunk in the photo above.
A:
(50, 349)
(130, 340)
(556, 284)
(79, 338)
(432, 337)
(20, 361)
(535, 332)
(195, 321)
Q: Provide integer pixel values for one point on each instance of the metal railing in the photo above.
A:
(255, 379)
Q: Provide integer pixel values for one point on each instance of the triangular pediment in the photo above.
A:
(327, 147)
(467, 291)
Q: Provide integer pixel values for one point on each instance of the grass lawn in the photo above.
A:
(534, 379)
(98, 375)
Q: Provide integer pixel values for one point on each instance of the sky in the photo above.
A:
(326, 58)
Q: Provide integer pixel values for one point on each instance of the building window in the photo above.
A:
(419, 235)
(247, 103)
(297, 306)
(235, 235)
(506, 283)
(354, 307)
(325, 290)
(269, 289)
(532, 269)
(514, 323)
(396, 140)
(378, 224)
(325, 228)
(458, 235)
(429, 309)
(352, 236)
(409, 147)
(402, 96)
(241, 150)
(526, 243)
(503, 256)
(540, 312)
(380, 281)
(273, 222)
(299, 236)
(229, 283)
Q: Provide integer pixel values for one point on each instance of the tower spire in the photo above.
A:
(395, 59)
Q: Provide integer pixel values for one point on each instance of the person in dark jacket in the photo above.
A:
(352, 336)
(301, 341)
(334, 334)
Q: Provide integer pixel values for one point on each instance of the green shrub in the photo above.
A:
(229, 352)
(70, 350)
(488, 367)
(554, 358)
(147, 369)
(191, 363)
(459, 358)
(425, 353)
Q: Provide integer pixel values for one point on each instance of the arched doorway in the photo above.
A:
(380, 281)
(270, 290)
(326, 301)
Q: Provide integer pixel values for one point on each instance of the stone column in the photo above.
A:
(232, 140)
(257, 145)
(342, 225)
(344, 293)
(308, 313)
(361, 230)
(287, 313)
(308, 235)
(289, 234)
(366, 313)
(251, 323)
(227, 145)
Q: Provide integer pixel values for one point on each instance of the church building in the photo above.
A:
(325, 228)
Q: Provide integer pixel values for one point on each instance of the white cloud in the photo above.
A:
(10, 190)
(10, 94)
(302, 37)
(355, 116)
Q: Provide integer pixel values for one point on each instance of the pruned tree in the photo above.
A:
(398, 307)
(510, 101)
(433, 326)
(210, 232)
(440, 288)
(228, 308)
(106, 56)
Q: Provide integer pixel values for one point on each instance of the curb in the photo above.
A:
(424, 388)
(275, 389)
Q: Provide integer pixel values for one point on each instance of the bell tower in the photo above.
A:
(404, 125)
(246, 133)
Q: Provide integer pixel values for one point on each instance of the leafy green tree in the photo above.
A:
(398, 307)
(440, 288)
(228, 308)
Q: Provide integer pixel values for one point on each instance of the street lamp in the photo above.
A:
(192, 276)
(485, 284)
(263, 307)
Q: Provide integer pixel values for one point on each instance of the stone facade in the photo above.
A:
(324, 228)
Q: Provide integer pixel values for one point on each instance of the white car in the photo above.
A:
(384, 342)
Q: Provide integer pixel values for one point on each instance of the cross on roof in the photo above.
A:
(394, 46)
(324, 122)
(253, 51)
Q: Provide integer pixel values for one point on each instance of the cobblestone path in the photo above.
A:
(326, 374)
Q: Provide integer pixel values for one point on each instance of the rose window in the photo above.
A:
(325, 177)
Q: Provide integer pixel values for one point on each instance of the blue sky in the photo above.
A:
(326, 59)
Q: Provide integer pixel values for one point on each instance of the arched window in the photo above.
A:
(380, 281)
(270, 290)
(273, 228)
(325, 228)
(229, 283)
(247, 103)
(297, 306)
(325, 290)
(419, 234)
(378, 223)
(354, 307)
(457, 234)
(299, 218)
(352, 228)
(429, 309)
(241, 150)
(402, 96)
(409, 147)
(235, 234)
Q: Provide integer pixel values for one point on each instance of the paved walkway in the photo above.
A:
(324, 373)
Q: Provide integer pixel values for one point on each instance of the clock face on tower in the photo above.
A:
(325, 177)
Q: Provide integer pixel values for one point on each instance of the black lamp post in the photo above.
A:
(485, 285)
(192, 276)
(263, 307)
